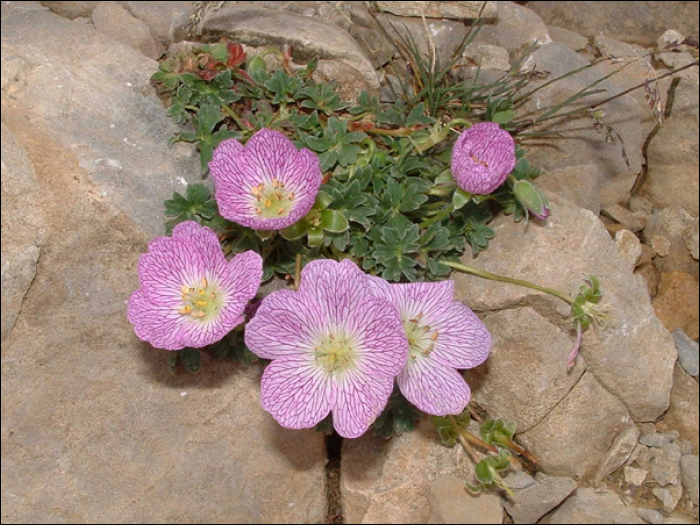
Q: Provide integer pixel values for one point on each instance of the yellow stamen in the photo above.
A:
(268, 203)
(212, 296)
(275, 183)
(281, 212)
(258, 211)
(255, 191)
(185, 289)
(279, 195)
(201, 303)
(434, 336)
(201, 314)
(291, 196)
(185, 311)
(205, 282)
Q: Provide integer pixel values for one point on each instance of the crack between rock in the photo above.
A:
(29, 289)
(334, 447)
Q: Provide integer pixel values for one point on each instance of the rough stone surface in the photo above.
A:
(569, 38)
(488, 57)
(619, 453)
(589, 506)
(633, 358)
(691, 482)
(449, 10)
(94, 428)
(576, 142)
(688, 352)
(651, 516)
(668, 227)
(519, 480)
(389, 481)
(677, 303)
(524, 340)
(634, 22)
(668, 496)
(116, 22)
(684, 412)
(691, 236)
(530, 504)
(451, 502)
(165, 20)
(635, 477)
(670, 38)
(589, 410)
(634, 221)
(658, 440)
(578, 184)
(310, 37)
(516, 29)
(71, 10)
(665, 464)
(23, 228)
(629, 246)
(351, 83)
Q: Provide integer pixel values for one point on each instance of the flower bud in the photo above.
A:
(528, 195)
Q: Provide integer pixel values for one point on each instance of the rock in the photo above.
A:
(23, 228)
(516, 29)
(519, 480)
(642, 205)
(389, 481)
(576, 141)
(589, 410)
(629, 246)
(683, 414)
(670, 38)
(677, 303)
(678, 59)
(351, 83)
(657, 440)
(589, 506)
(651, 277)
(612, 48)
(166, 21)
(449, 10)
(71, 9)
(665, 464)
(374, 44)
(619, 453)
(688, 352)
(633, 358)
(569, 38)
(451, 502)
(530, 504)
(115, 21)
(669, 497)
(673, 160)
(488, 57)
(689, 465)
(691, 236)
(311, 38)
(648, 255)
(651, 516)
(523, 339)
(10, 9)
(634, 221)
(94, 427)
(635, 477)
(578, 184)
(634, 22)
(666, 230)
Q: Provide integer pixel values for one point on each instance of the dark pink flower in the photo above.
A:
(266, 185)
(335, 348)
(443, 336)
(482, 158)
(190, 295)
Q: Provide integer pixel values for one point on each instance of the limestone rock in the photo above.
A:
(523, 340)
(666, 230)
(451, 502)
(589, 506)
(567, 37)
(530, 504)
(449, 10)
(115, 21)
(629, 246)
(651, 516)
(668, 496)
(166, 21)
(634, 221)
(578, 184)
(691, 482)
(488, 57)
(677, 303)
(688, 352)
(665, 464)
(633, 358)
(683, 414)
(619, 453)
(516, 29)
(71, 10)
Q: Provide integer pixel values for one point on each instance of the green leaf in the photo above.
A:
(315, 237)
(504, 117)
(398, 417)
(191, 359)
(333, 221)
(460, 199)
(219, 51)
(172, 361)
(295, 231)
(323, 200)
(483, 472)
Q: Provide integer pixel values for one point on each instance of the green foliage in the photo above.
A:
(198, 205)
(449, 434)
(586, 310)
(489, 473)
(398, 417)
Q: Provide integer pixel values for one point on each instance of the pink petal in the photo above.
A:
(463, 341)
(224, 164)
(433, 388)
(241, 282)
(203, 238)
(287, 325)
(360, 400)
(297, 394)
(161, 326)
(413, 299)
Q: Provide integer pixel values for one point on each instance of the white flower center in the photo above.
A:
(335, 353)
(203, 302)
(272, 199)
(421, 339)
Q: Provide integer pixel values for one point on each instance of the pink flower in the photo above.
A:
(335, 348)
(482, 158)
(190, 295)
(266, 185)
(444, 336)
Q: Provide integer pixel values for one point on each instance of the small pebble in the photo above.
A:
(651, 516)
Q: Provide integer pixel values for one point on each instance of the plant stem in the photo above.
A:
(518, 450)
(462, 438)
(235, 117)
(518, 282)
(438, 218)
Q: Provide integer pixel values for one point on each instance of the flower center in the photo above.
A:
(421, 339)
(272, 199)
(202, 303)
(478, 161)
(335, 353)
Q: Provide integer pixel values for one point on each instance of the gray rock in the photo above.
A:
(683, 413)
(589, 410)
(635, 477)
(665, 464)
(689, 465)
(389, 481)
(71, 9)
(589, 506)
(115, 21)
(634, 221)
(633, 358)
(351, 83)
(488, 57)
(516, 29)
(519, 480)
(634, 22)
(678, 59)
(569, 38)
(23, 228)
(657, 440)
(669, 225)
(576, 142)
(629, 246)
(578, 184)
(619, 453)
(166, 21)
(449, 10)
(688, 352)
(530, 504)
(524, 339)
(311, 38)
(670, 38)
(451, 502)
(651, 516)
(10, 9)
(669, 496)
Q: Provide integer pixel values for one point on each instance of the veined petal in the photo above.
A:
(433, 388)
(359, 401)
(224, 165)
(203, 238)
(161, 326)
(296, 393)
(463, 341)
(421, 299)
(286, 326)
